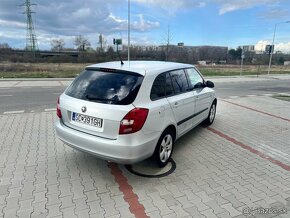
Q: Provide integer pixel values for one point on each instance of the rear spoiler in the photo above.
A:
(113, 70)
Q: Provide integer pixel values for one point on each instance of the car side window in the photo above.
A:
(169, 87)
(194, 78)
(179, 81)
(158, 87)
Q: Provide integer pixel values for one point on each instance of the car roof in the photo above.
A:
(141, 67)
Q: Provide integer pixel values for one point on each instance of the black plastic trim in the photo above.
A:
(172, 169)
(190, 117)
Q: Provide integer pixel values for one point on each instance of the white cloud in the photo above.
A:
(11, 24)
(261, 45)
(138, 25)
(228, 6)
(143, 24)
(275, 13)
(282, 47)
(225, 6)
(173, 5)
(74, 17)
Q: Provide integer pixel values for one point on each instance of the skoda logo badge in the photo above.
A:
(84, 109)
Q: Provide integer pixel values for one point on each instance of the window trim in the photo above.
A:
(158, 98)
(203, 80)
(174, 93)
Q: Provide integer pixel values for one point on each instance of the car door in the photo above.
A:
(182, 102)
(201, 93)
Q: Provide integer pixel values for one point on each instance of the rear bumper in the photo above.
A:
(126, 149)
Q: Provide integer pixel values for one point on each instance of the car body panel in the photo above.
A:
(183, 111)
(110, 114)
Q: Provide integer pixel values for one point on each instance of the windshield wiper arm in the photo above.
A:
(89, 97)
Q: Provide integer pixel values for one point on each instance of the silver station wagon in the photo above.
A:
(128, 112)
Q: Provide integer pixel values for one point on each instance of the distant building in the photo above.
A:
(206, 53)
(202, 63)
(248, 48)
(286, 63)
(142, 47)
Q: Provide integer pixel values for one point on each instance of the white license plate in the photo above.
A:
(92, 121)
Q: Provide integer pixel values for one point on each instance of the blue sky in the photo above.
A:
(194, 22)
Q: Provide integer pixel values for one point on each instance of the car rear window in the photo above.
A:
(116, 87)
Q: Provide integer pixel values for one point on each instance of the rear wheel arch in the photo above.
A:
(171, 128)
(165, 146)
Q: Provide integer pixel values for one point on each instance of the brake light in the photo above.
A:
(58, 111)
(133, 121)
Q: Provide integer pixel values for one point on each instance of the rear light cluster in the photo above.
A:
(58, 111)
(133, 121)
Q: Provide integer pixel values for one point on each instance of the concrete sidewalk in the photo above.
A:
(33, 82)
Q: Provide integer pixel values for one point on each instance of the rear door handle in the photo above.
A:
(175, 104)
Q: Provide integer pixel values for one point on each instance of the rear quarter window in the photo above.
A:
(106, 87)
(162, 87)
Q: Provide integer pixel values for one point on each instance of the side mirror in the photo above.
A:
(209, 84)
(198, 85)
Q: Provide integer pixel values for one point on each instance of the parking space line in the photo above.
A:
(13, 112)
(6, 95)
(50, 109)
(253, 109)
(129, 196)
(252, 150)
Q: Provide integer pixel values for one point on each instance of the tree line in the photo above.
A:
(184, 54)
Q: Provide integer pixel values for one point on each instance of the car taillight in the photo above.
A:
(133, 121)
(58, 111)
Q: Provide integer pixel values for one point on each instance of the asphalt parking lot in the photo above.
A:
(238, 167)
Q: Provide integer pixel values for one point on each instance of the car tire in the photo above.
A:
(164, 148)
(211, 114)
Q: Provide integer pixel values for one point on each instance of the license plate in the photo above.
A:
(92, 121)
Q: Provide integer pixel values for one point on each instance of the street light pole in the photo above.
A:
(242, 61)
(129, 31)
(272, 48)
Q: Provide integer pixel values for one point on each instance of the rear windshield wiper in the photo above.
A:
(89, 97)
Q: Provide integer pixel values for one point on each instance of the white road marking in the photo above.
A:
(31, 111)
(13, 112)
(6, 95)
(233, 96)
(4, 88)
(251, 95)
(25, 87)
(50, 109)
